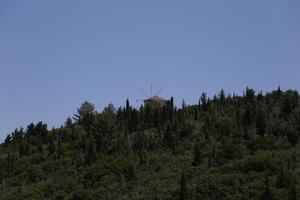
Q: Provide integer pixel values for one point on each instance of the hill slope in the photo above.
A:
(228, 147)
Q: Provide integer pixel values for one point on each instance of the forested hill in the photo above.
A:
(225, 147)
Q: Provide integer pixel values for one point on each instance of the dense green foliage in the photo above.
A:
(227, 147)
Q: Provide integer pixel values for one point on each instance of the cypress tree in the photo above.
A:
(266, 195)
(261, 122)
(204, 102)
(280, 179)
(198, 156)
(292, 190)
(168, 139)
(183, 187)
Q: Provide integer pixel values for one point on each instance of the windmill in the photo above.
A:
(153, 99)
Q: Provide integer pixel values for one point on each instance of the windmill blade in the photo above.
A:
(159, 91)
(144, 93)
(138, 100)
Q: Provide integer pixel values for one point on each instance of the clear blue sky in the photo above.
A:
(56, 54)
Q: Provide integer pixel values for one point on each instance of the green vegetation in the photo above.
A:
(227, 147)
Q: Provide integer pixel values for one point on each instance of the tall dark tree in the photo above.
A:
(292, 135)
(261, 122)
(90, 154)
(250, 95)
(197, 153)
(266, 195)
(281, 178)
(170, 109)
(7, 139)
(292, 189)
(183, 187)
(222, 96)
(169, 140)
(204, 102)
(69, 123)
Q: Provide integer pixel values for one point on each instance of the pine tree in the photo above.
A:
(60, 148)
(198, 155)
(250, 95)
(183, 188)
(281, 179)
(222, 96)
(91, 154)
(204, 102)
(292, 190)
(156, 195)
(212, 157)
(51, 146)
(266, 195)
(7, 140)
(127, 108)
(68, 123)
(170, 109)
(85, 115)
(261, 122)
(292, 135)
(168, 139)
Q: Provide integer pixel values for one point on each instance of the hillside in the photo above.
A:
(225, 147)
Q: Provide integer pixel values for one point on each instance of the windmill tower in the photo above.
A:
(153, 100)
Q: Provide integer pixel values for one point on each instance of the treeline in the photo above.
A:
(224, 147)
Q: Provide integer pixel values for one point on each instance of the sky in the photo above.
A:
(56, 54)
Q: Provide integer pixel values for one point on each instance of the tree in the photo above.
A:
(204, 102)
(127, 108)
(212, 158)
(69, 123)
(80, 194)
(17, 135)
(289, 102)
(261, 122)
(266, 195)
(281, 179)
(250, 95)
(200, 192)
(170, 109)
(292, 136)
(128, 152)
(90, 154)
(42, 131)
(104, 127)
(198, 155)
(133, 121)
(292, 190)
(156, 195)
(52, 146)
(85, 114)
(7, 140)
(183, 187)
(86, 108)
(168, 139)
(222, 96)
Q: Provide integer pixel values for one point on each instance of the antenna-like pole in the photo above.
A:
(158, 92)
(144, 93)
(151, 90)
